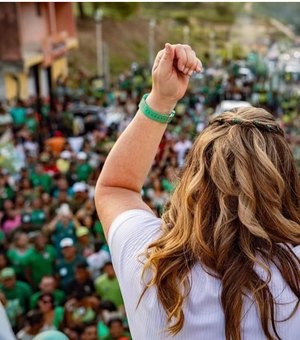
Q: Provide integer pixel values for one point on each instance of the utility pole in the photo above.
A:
(186, 35)
(99, 42)
(152, 24)
(212, 48)
(229, 50)
(106, 66)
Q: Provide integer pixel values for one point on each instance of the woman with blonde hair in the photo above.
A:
(223, 262)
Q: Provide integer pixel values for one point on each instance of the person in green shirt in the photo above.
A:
(66, 266)
(6, 192)
(80, 197)
(116, 330)
(83, 169)
(85, 241)
(89, 332)
(53, 315)
(40, 179)
(16, 292)
(168, 183)
(18, 114)
(107, 286)
(63, 225)
(48, 286)
(2, 238)
(40, 261)
(18, 252)
(38, 216)
(31, 121)
(98, 230)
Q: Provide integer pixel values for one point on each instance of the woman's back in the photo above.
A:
(235, 210)
(204, 317)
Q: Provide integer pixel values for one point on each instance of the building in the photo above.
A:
(35, 38)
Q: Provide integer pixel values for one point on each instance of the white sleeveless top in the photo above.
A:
(130, 233)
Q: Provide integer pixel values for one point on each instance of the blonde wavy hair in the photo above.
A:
(236, 205)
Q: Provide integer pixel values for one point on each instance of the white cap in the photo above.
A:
(66, 154)
(79, 187)
(82, 156)
(66, 242)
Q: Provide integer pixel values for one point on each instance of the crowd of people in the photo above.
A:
(55, 269)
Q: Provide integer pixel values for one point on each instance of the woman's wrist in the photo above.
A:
(159, 104)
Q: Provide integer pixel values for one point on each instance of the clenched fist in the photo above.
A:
(170, 74)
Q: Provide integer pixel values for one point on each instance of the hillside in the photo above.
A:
(230, 29)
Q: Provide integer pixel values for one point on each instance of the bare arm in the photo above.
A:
(120, 182)
(75, 221)
(50, 227)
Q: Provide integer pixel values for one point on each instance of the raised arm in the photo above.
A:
(50, 227)
(127, 165)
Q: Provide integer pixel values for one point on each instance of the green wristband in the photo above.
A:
(148, 112)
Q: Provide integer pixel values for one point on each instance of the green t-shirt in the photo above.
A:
(18, 115)
(2, 237)
(6, 193)
(59, 298)
(109, 289)
(58, 316)
(42, 264)
(45, 110)
(167, 185)
(43, 180)
(83, 314)
(38, 218)
(83, 172)
(66, 270)
(62, 232)
(124, 335)
(98, 229)
(31, 124)
(102, 330)
(17, 259)
(21, 293)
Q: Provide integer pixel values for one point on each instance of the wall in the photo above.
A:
(59, 67)
(34, 22)
(11, 87)
(10, 42)
(65, 20)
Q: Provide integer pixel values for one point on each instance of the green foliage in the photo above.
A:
(285, 12)
(182, 12)
(118, 64)
(130, 43)
(181, 19)
(139, 49)
(112, 10)
(120, 10)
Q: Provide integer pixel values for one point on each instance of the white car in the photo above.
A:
(227, 105)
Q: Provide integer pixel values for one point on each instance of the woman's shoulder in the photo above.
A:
(130, 234)
(133, 225)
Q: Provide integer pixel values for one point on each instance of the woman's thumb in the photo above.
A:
(168, 57)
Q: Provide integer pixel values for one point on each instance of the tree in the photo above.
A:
(118, 10)
(81, 11)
